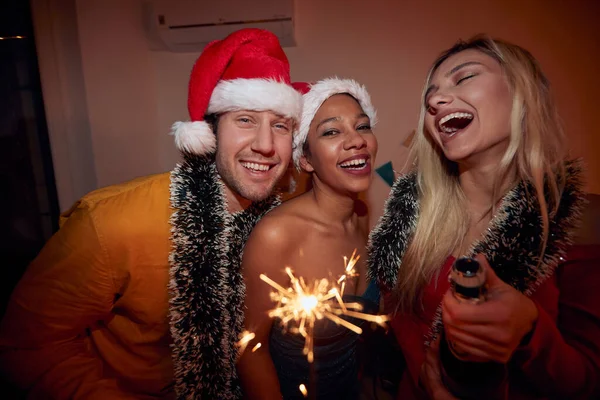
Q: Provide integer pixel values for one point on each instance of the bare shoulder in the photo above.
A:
(275, 238)
(280, 227)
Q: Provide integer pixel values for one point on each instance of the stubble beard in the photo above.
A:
(249, 191)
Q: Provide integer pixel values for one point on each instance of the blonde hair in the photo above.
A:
(535, 153)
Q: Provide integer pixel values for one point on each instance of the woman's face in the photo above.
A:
(341, 145)
(469, 106)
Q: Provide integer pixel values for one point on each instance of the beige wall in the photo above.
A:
(61, 74)
(133, 94)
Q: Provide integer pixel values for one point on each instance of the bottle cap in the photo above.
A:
(467, 266)
(468, 279)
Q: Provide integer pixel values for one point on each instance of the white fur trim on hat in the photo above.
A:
(318, 93)
(194, 137)
(256, 95)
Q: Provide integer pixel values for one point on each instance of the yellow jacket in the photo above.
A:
(93, 305)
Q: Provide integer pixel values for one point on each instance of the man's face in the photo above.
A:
(253, 151)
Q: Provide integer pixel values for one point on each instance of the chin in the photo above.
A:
(257, 194)
(359, 188)
(457, 155)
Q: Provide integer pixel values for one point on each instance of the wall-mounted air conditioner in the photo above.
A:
(188, 25)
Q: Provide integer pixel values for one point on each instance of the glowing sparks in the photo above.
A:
(303, 390)
(302, 304)
(245, 338)
(349, 271)
(12, 37)
(308, 303)
(305, 304)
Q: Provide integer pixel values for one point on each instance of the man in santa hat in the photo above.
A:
(139, 294)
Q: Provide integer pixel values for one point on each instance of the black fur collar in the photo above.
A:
(511, 243)
(206, 285)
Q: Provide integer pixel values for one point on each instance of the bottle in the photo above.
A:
(465, 379)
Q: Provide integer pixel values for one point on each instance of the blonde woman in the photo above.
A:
(491, 182)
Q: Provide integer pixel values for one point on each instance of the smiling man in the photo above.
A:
(139, 294)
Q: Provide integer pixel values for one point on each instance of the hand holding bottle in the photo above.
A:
(492, 330)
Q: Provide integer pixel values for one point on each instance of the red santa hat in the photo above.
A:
(247, 70)
(316, 94)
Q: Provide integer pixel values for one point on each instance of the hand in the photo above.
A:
(430, 377)
(490, 331)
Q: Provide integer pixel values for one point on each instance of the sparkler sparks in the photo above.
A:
(349, 271)
(305, 304)
(245, 338)
(303, 390)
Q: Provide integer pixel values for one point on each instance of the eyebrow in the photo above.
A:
(332, 119)
(256, 112)
(431, 88)
(460, 66)
(326, 120)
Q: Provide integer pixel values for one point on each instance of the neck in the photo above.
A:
(334, 207)
(478, 177)
(478, 182)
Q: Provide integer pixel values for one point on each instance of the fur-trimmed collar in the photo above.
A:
(511, 243)
(206, 285)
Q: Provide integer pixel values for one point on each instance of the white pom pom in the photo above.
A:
(194, 137)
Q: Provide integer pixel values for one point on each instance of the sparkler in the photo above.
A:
(245, 338)
(305, 304)
(349, 271)
(303, 390)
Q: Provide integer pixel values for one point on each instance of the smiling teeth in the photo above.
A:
(455, 115)
(448, 117)
(359, 162)
(255, 166)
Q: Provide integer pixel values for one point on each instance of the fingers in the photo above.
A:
(459, 313)
(495, 335)
(470, 348)
(482, 260)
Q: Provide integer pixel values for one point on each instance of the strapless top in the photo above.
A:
(335, 366)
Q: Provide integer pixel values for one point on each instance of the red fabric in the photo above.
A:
(562, 359)
(247, 53)
(301, 87)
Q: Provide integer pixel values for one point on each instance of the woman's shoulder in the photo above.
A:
(274, 242)
(281, 228)
(295, 213)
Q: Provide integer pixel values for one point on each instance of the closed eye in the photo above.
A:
(464, 78)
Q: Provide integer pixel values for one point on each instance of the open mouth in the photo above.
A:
(256, 167)
(355, 164)
(454, 122)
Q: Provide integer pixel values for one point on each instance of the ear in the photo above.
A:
(305, 164)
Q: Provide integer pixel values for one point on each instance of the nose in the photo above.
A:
(439, 99)
(263, 141)
(355, 140)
